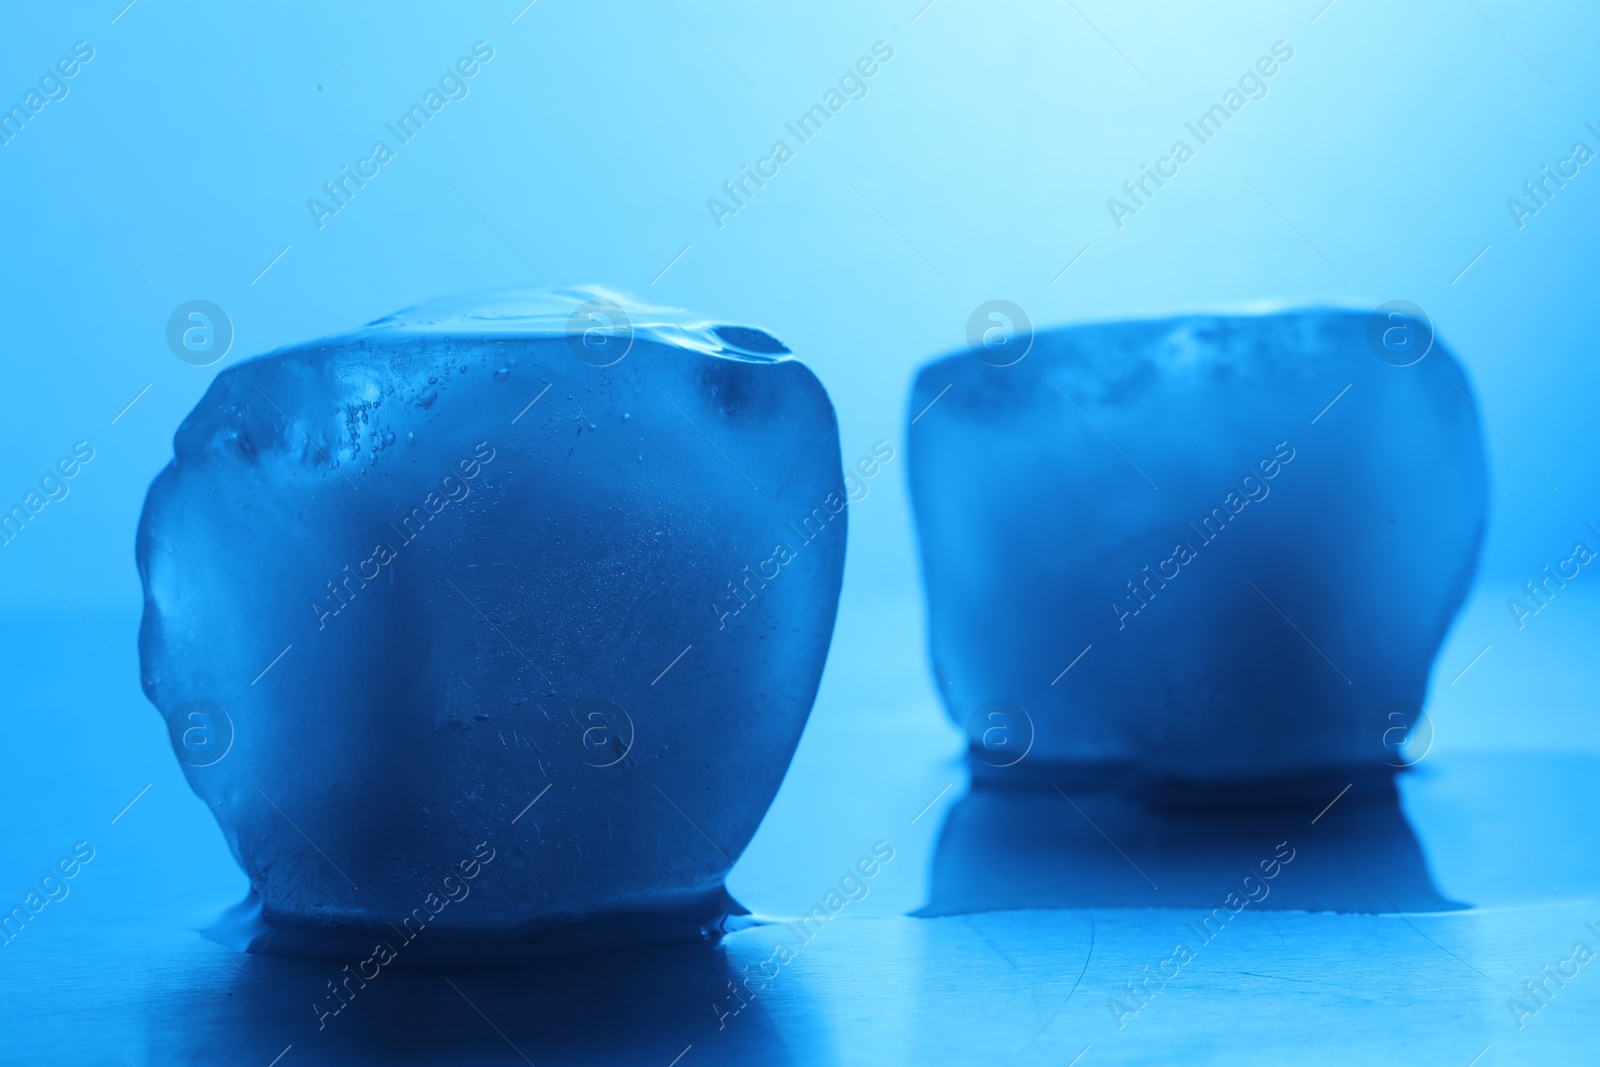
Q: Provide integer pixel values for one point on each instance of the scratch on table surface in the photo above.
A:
(1446, 951)
(1074, 988)
(1320, 984)
(967, 920)
(1282, 943)
(1086, 960)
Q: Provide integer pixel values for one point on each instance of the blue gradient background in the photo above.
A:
(987, 149)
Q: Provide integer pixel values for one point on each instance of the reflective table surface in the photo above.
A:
(1445, 915)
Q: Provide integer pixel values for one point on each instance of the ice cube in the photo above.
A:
(538, 577)
(1210, 547)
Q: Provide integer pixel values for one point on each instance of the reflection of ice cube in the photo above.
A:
(434, 568)
(1005, 848)
(1252, 578)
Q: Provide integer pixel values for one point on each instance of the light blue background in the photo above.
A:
(978, 167)
(593, 140)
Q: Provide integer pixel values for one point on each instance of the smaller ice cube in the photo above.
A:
(1208, 547)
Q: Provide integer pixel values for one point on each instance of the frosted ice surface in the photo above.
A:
(491, 579)
(1244, 581)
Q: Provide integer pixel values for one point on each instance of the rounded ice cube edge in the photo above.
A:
(468, 582)
(1184, 554)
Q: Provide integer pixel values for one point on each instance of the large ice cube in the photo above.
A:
(530, 576)
(1156, 543)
